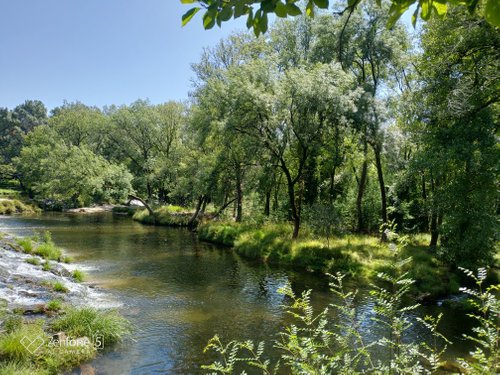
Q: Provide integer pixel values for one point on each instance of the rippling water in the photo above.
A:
(178, 292)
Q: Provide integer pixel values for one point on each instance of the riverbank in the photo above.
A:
(172, 216)
(359, 256)
(9, 206)
(50, 320)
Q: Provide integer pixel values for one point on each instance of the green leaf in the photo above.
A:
(310, 9)
(239, 10)
(415, 16)
(323, 4)
(492, 12)
(250, 19)
(439, 7)
(280, 9)
(426, 10)
(226, 13)
(209, 19)
(188, 1)
(351, 3)
(263, 23)
(293, 10)
(188, 15)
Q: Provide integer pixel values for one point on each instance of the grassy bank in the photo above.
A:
(61, 338)
(174, 216)
(360, 256)
(10, 206)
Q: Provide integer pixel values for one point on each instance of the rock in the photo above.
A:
(86, 369)
(60, 336)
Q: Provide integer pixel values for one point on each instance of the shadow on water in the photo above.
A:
(178, 292)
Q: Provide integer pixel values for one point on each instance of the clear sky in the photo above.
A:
(99, 51)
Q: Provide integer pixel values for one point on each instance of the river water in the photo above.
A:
(178, 292)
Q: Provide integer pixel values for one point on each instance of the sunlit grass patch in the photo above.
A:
(78, 275)
(60, 287)
(88, 321)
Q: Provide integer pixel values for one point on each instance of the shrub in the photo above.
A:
(88, 322)
(78, 275)
(14, 206)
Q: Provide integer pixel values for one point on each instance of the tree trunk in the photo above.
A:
(293, 204)
(361, 188)
(146, 205)
(434, 229)
(267, 203)
(239, 196)
(380, 175)
(192, 220)
(332, 185)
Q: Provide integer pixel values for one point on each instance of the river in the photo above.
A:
(178, 292)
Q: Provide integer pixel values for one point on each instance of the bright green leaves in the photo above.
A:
(322, 4)
(188, 15)
(257, 11)
(293, 10)
(280, 10)
(492, 12)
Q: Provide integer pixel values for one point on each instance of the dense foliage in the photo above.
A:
(326, 124)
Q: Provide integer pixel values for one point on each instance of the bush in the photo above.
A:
(88, 321)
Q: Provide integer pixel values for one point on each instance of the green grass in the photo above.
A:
(59, 287)
(88, 321)
(48, 251)
(35, 261)
(15, 206)
(11, 344)
(78, 275)
(361, 256)
(18, 368)
(46, 266)
(54, 305)
(175, 216)
(26, 244)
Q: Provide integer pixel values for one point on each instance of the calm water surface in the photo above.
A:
(178, 292)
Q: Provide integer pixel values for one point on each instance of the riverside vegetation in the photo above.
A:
(332, 341)
(55, 336)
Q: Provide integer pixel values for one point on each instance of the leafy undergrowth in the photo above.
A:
(360, 256)
(15, 206)
(175, 216)
(40, 346)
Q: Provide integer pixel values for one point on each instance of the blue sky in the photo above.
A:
(99, 51)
